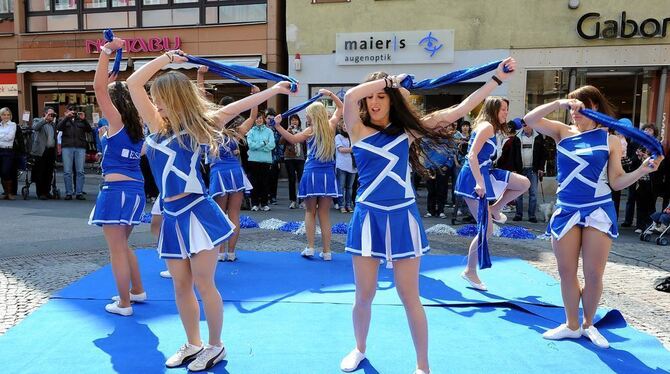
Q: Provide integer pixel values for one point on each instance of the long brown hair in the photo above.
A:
(118, 92)
(593, 99)
(489, 113)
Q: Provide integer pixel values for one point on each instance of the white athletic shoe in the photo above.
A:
(166, 274)
(562, 332)
(293, 205)
(326, 256)
(443, 216)
(419, 371)
(307, 252)
(254, 208)
(336, 206)
(594, 335)
(221, 257)
(138, 298)
(501, 220)
(209, 357)
(351, 361)
(184, 354)
(231, 256)
(473, 284)
(265, 208)
(427, 215)
(116, 309)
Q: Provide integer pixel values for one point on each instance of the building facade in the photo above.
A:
(49, 48)
(620, 47)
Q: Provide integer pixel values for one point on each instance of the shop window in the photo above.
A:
(123, 3)
(65, 4)
(6, 9)
(113, 20)
(242, 13)
(53, 23)
(170, 17)
(94, 4)
(330, 1)
(38, 5)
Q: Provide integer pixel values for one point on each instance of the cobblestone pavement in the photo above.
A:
(27, 282)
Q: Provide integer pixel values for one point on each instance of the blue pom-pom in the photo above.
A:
(516, 232)
(109, 35)
(340, 228)
(290, 226)
(626, 122)
(518, 123)
(247, 222)
(145, 217)
(467, 230)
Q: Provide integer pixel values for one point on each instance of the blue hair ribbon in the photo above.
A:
(109, 37)
(622, 126)
(483, 256)
(297, 108)
(451, 78)
(247, 71)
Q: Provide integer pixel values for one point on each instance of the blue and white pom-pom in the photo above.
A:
(302, 231)
(271, 224)
(516, 232)
(292, 226)
(247, 222)
(442, 229)
(340, 228)
(145, 217)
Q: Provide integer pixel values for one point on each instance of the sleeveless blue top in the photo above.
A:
(487, 154)
(227, 156)
(312, 161)
(384, 173)
(120, 155)
(581, 162)
(175, 169)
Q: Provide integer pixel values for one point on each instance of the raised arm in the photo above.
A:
(339, 108)
(352, 118)
(484, 132)
(101, 81)
(446, 116)
(291, 138)
(617, 177)
(201, 77)
(555, 129)
(228, 112)
(136, 82)
(244, 128)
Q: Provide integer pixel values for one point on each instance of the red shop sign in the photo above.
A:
(135, 45)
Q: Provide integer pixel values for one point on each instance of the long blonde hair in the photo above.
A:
(324, 136)
(489, 113)
(188, 110)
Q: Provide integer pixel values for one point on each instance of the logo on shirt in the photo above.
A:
(127, 153)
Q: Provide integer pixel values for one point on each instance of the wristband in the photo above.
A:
(107, 50)
(497, 80)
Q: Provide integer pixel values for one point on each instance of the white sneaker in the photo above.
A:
(594, 335)
(473, 284)
(116, 309)
(265, 208)
(427, 215)
(419, 371)
(184, 354)
(221, 257)
(293, 205)
(166, 274)
(231, 257)
(209, 357)
(140, 297)
(307, 252)
(254, 208)
(562, 332)
(638, 231)
(326, 256)
(501, 220)
(442, 215)
(351, 361)
(336, 206)
(302, 205)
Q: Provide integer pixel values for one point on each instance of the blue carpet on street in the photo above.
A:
(286, 314)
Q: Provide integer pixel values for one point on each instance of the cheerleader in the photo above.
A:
(227, 180)
(588, 168)
(182, 123)
(477, 179)
(121, 200)
(386, 223)
(318, 185)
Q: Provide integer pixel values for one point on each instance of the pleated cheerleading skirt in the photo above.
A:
(228, 178)
(317, 182)
(391, 230)
(119, 203)
(600, 215)
(495, 179)
(192, 224)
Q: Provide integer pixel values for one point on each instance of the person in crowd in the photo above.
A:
(294, 159)
(530, 149)
(345, 168)
(645, 195)
(11, 146)
(277, 158)
(584, 221)
(440, 165)
(73, 148)
(261, 142)
(43, 151)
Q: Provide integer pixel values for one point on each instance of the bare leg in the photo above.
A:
(310, 220)
(365, 277)
(222, 202)
(136, 286)
(233, 212)
(473, 256)
(595, 250)
(203, 266)
(406, 275)
(516, 186)
(187, 304)
(566, 251)
(323, 210)
(117, 241)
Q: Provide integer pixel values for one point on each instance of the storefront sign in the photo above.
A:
(135, 45)
(9, 90)
(397, 47)
(589, 27)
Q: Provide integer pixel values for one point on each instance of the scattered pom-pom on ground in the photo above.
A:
(145, 217)
(247, 222)
(516, 232)
(340, 228)
(271, 224)
(442, 229)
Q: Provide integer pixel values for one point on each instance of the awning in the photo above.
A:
(244, 61)
(63, 66)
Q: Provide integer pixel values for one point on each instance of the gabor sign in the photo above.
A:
(589, 27)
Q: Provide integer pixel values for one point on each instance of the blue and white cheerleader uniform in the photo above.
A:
(386, 222)
(192, 223)
(226, 174)
(495, 180)
(120, 202)
(318, 177)
(584, 197)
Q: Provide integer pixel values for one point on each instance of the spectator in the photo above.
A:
(530, 149)
(11, 145)
(44, 152)
(294, 159)
(632, 164)
(277, 157)
(441, 160)
(647, 187)
(261, 142)
(100, 130)
(74, 127)
(345, 168)
(625, 164)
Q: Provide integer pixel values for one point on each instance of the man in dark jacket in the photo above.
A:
(73, 143)
(44, 152)
(530, 149)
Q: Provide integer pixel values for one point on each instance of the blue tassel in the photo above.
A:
(290, 226)
(516, 232)
(624, 127)
(297, 108)
(482, 242)
(340, 228)
(109, 36)
(451, 78)
(247, 222)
